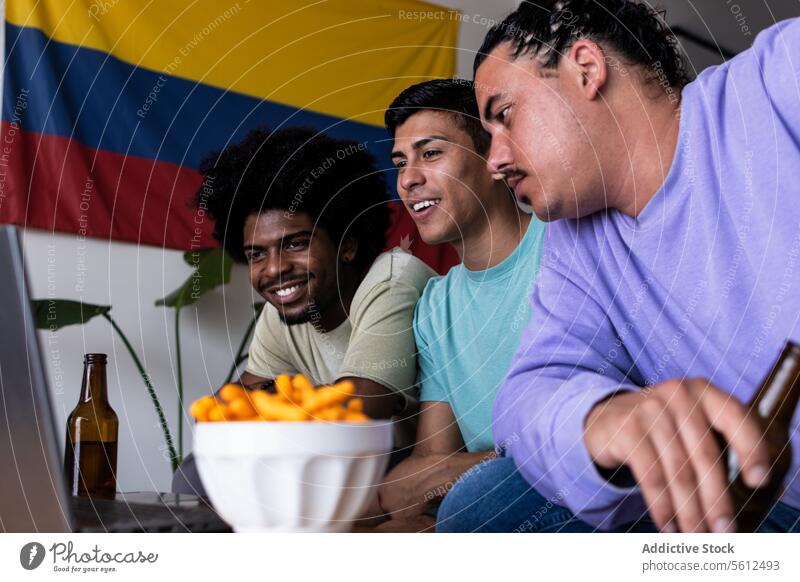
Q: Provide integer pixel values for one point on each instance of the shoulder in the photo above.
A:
(393, 271)
(398, 266)
(433, 304)
(438, 288)
(781, 39)
(763, 77)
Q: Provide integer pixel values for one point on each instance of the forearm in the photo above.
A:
(544, 435)
(249, 380)
(422, 480)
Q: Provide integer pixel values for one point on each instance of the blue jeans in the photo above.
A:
(494, 497)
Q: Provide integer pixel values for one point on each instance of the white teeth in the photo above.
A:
(424, 204)
(288, 291)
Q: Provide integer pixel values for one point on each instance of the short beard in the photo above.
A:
(311, 312)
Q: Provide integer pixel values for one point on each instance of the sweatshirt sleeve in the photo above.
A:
(569, 359)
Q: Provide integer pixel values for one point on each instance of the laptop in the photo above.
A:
(33, 489)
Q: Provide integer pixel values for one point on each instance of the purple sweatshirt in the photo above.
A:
(704, 282)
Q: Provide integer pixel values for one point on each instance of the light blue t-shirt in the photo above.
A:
(467, 325)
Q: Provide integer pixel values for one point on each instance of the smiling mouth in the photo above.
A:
(288, 292)
(424, 204)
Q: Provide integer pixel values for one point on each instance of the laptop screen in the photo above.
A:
(33, 494)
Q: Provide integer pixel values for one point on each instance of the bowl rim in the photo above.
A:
(278, 438)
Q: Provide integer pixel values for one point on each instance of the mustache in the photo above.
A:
(513, 173)
(508, 174)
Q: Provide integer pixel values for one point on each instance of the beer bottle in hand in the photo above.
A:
(772, 407)
(90, 458)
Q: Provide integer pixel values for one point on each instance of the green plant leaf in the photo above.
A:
(54, 314)
(212, 268)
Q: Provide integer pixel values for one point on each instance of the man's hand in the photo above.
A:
(415, 485)
(252, 381)
(419, 482)
(665, 435)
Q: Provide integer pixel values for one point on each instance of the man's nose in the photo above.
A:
(500, 158)
(411, 178)
(276, 264)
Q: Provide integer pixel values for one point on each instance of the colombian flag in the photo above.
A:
(109, 105)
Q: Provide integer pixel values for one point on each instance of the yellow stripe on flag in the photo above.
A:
(347, 58)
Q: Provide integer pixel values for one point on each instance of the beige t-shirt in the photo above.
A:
(375, 342)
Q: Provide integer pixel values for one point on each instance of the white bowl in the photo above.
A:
(291, 476)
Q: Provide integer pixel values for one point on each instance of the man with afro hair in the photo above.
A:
(308, 214)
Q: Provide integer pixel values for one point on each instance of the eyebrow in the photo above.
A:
(283, 238)
(421, 143)
(487, 109)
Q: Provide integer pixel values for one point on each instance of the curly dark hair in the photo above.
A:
(455, 96)
(297, 170)
(547, 28)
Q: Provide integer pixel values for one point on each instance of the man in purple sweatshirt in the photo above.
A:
(670, 276)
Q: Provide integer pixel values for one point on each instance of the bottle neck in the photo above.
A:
(94, 387)
(778, 397)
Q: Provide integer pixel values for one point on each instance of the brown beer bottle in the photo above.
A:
(772, 407)
(90, 458)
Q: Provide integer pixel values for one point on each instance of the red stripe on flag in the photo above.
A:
(57, 184)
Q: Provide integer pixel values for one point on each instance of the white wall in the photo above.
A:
(131, 278)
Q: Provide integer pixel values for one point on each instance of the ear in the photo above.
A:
(590, 71)
(348, 251)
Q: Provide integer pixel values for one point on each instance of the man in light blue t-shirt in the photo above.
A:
(467, 324)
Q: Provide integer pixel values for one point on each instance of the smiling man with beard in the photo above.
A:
(309, 214)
